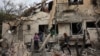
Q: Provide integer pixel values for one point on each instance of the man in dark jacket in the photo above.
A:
(64, 43)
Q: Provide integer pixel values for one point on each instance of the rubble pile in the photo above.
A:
(16, 49)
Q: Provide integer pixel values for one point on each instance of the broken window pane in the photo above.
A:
(13, 27)
(94, 2)
(75, 2)
(28, 27)
(76, 28)
(98, 24)
(44, 28)
(54, 29)
(90, 24)
(50, 5)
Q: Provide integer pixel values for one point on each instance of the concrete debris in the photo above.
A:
(18, 49)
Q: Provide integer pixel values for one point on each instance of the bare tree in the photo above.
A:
(11, 8)
(11, 11)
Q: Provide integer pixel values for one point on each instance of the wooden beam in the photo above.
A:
(45, 42)
(52, 14)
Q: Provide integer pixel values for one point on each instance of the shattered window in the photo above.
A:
(44, 28)
(54, 29)
(28, 27)
(76, 28)
(50, 5)
(94, 2)
(92, 24)
(98, 24)
(75, 2)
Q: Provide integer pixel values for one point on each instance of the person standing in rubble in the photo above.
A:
(36, 41)
(41, 36)
(64, 43)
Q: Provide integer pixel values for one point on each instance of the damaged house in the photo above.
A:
(35, 20)
(75, 16)
(24, 28)
(72, 17)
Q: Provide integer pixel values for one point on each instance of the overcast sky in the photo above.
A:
(27, 2)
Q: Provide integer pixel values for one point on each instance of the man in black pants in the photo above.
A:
(64, 43)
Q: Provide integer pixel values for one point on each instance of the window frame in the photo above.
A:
(53, 28)
(76, 3)
(92, 22)
(72, 30)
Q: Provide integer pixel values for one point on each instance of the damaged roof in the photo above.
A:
(39, 15)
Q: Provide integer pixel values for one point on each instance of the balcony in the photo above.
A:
(72, 17)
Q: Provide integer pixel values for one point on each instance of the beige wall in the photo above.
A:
(85, 8)
(86, 3)
(62, 1)
(29, 34)
(64, 28)
(5, 34)
(34, 21)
